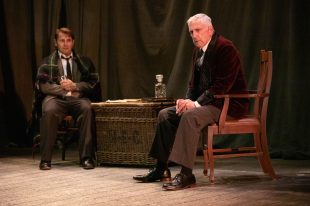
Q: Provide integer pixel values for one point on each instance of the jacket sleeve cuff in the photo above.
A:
(206, 98)
(197, 104)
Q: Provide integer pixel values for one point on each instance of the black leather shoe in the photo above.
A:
(154, 175)
(88, 163)
(180, 181)
(45, 165)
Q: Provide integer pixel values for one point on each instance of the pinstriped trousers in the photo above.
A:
(53, 112)
(176, 138)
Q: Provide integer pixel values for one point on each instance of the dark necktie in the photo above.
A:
(201, 74)
(68, 68)
(200, 53)
(199, 60)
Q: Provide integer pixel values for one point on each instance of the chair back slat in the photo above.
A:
(264, 83)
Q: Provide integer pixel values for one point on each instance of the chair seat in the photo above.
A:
(246, 121)
(237, 126)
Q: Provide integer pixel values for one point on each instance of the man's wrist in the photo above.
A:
(76, 89)
(197, 104)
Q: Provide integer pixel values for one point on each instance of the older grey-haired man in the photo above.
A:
(216, 69)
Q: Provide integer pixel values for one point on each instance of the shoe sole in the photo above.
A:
(168, 188)
(164, 180)
(144, 181)
(88, 168)
(45, 168)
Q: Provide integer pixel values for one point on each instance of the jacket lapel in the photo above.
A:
(209, 56)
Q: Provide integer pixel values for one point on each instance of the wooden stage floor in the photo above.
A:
(239, 181)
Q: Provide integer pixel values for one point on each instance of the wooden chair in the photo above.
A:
(254, 123)
(65, 135)
(66, 132)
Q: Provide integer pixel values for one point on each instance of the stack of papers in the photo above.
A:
(123, 100)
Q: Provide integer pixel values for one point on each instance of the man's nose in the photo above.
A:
(194, 35)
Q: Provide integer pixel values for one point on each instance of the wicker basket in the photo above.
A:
(125, 131)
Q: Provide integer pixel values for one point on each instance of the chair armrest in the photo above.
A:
(227, 97)
(254, 95)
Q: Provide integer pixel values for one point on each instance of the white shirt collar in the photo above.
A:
(204, 48)
(61, 54)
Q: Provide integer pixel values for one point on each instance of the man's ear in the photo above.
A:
(55, 43)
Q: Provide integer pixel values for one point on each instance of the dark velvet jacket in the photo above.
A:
(223, 70)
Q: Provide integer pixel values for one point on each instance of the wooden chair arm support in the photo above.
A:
(227, 97)
(223, 115)
(219, 96)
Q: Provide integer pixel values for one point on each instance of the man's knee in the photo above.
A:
(162, 114)
(49, 108)
(85, 106)
(188, 114)
(165, 113)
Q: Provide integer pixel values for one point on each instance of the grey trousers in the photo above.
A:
(53, 112)
(177, 137)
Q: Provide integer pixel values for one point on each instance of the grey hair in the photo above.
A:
(200, 17)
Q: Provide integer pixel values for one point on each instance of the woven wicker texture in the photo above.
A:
(125, 131)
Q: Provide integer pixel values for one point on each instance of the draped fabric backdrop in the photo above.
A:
(130, 41)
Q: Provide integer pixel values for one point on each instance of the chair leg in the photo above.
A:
(206, 161)
(63, 152)
(210, 155)
(64, 146)
(36, 144)
(34, 148)
(260, 157)
(266, 157)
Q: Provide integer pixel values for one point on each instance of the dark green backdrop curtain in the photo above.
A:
(132, 40)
